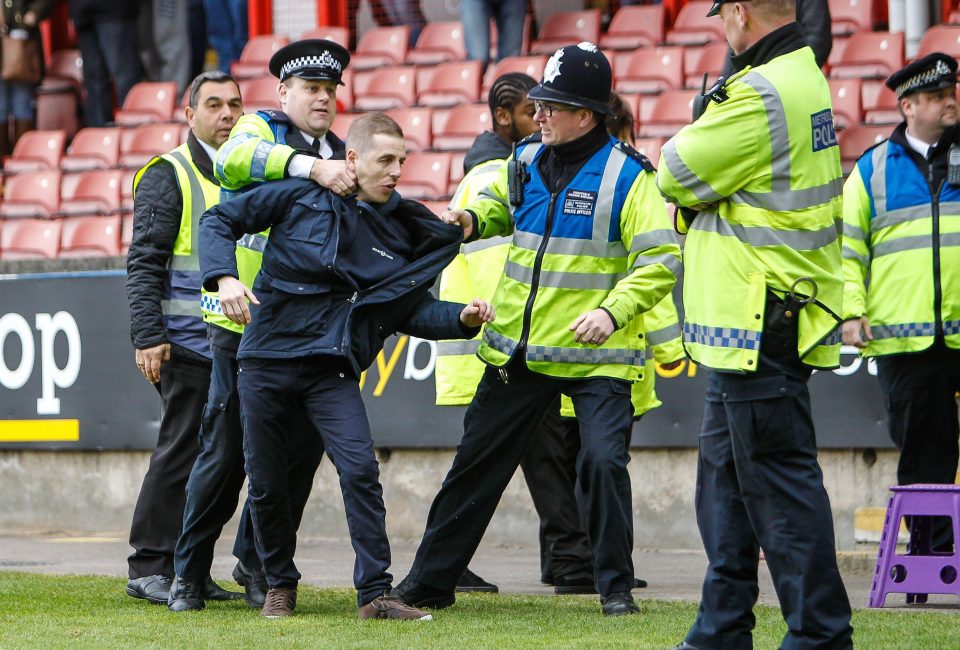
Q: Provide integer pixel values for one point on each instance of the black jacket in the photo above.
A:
(308, 306)
(156, 224)
(813, 17)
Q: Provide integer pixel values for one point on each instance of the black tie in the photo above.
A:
(317, 142)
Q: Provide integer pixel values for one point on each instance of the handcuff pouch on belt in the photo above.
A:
(782, 317)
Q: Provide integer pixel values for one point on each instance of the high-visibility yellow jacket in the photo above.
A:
(763, 169)
(180, 294)
(908, 242)
(604, 240)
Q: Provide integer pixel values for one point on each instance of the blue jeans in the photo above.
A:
(217, 476)
(109, 51)
(270, 389)
(475, 16)
(17, 100)
(226, 29)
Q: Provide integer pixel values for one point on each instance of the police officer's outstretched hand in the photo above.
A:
(477, 313)
(338, 176)
(856, 332)
(233, 300)
(593, 327)
(462, 217)
(150, 360)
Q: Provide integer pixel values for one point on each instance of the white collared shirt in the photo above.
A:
(918, 145)
(301, 164)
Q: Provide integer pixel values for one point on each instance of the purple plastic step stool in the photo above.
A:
(921, 571)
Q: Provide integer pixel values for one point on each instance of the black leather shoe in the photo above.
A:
(566, 586)
(418, 595)
(185, 596)
(154, 589)
(254, 585)
(213, 591)
(471, 582)
(619, 604)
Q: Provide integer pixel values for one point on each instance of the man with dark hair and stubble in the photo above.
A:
(339, 276)
(163, 288)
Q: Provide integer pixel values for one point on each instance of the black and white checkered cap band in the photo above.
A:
(325, 60)
(924, 78)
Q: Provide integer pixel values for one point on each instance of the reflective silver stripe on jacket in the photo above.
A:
(781, 195)
(878, 181)
(685, 176)
(802, 240)
(482, 168)
(562, 279)
(854, 232)
(224, 151)
(722, 337)
(914, 242)
(256, 243)
(198, 204)
(664, 334)
(456, 348)
(911, 213)
(585, 354)
(902, 330)
(483, 244)
(179, 307)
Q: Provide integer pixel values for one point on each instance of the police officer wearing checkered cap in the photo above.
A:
(271, 145)
(902, 229)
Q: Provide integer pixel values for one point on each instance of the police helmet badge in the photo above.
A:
(552, 70)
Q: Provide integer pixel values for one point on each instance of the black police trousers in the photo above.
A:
(919, 394)
(759, 485)
(216, 479)
(159, 510)
(498, 427)
(272, 389)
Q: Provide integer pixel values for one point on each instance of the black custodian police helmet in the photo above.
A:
(932, 72)
(576, 75)
(312, 58)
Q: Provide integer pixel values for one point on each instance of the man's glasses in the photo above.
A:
(548, 109)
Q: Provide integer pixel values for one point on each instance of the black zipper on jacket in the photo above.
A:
(535, 280)
(935, 244)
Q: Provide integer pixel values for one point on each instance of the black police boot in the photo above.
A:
(213, 591)
(254, 585)
(154, 589)
(418, 595)
(185, 596)
(564, 586)
(619, 604)
(471, 582)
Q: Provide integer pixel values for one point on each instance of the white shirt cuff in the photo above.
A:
(300, 166)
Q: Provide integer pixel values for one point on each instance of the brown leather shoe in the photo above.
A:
(279, 603)
(387, 606)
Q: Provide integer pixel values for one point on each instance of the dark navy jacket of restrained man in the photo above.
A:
(339, 275)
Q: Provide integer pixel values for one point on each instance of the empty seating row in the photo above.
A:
(70, 237)
(51, 194)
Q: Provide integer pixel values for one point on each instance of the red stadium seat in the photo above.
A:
(339, 35)
(93, 148)
(635, 26)
(529, 65)
(381, 46)
(126, 233)
(139, 145)
(651, 71)
(452, 84)
(385, 89)
(567, 28)
(456, 170)
(880, 105)
(851, 16)
(436, 207)
(256, 55)
(954, 17)
(66, 67)
(92, 193)
(259, 94)
(869, 55)
(845, 94)
(26, 239)
(650, 147)
(438, 42)
(31, 194)
(416, 125)
(148, 101)
(671, 110)
(855, 140)
(342, 124)
(462, 126)
(426, 176)
(126, 189)
(36, 150)
(708, 60)
(940, 38)
(90, 236)
(57, 108)
(692, 26)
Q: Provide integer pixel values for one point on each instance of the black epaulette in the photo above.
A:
(628, 149)
(273, 115)
(871, 148)
(717, 92)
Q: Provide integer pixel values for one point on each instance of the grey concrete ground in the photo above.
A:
(673, 575)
